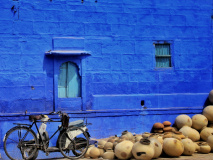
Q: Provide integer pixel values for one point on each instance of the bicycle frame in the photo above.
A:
(73, 139)
(40, 137)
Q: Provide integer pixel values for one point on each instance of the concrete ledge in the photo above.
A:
(109, 113)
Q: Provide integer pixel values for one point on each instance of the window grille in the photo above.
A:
(163, 55)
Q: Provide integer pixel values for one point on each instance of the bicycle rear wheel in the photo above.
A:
(20, 143)
(73, 147)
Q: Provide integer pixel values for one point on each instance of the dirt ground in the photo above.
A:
(195, 156)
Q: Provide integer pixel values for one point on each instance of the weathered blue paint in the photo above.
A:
(120, 71)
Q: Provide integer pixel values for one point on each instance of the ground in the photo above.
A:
(196, 156)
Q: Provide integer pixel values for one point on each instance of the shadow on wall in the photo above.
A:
(48, 65)
(48, 68)
(209, 100)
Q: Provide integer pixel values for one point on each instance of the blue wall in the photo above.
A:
(120, 71)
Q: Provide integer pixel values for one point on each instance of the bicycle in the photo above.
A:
(21, 142)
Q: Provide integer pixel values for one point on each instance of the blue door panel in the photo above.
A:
(69, 88)
(62, 84)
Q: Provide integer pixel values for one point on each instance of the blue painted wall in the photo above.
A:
(119, 73)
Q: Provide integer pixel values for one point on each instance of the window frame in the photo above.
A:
(78, 103)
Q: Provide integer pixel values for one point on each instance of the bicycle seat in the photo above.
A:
(77, 123)
(35, 117)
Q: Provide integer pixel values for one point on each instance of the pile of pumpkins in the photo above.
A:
(187, 136)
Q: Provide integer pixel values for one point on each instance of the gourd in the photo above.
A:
(183, 120)
(197, 147)
(204, 148)
(143, 149)
(138, 138)
(167, 129)
(108, 145)
(173, 147)
(101, 151)
(123, 150)
(190, 133)
(157, 147)
(189, 147)
(101, 143)
(160, 139)
(167, 124)
(167, 135)
(115, 143)
(94, 152)
(109, 154)
(112, 139)
(210, 141)
(205, 133)
(87, 154)
(178, 134)
(146, 134)
(158, 127)
(123, 138)
(199, 121)
(208, 112)
(128, 134)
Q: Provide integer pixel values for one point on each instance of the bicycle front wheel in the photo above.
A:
(20, 143)
(73, 144)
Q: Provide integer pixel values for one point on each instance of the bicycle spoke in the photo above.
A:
(12, 140)
(73, 147)
(18, 147)
(19, 135)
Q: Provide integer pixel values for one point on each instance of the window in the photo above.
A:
(69, 81)
(163, 55)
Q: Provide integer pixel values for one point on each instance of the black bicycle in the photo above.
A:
(21, 142)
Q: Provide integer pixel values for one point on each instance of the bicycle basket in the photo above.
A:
(65, 120)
